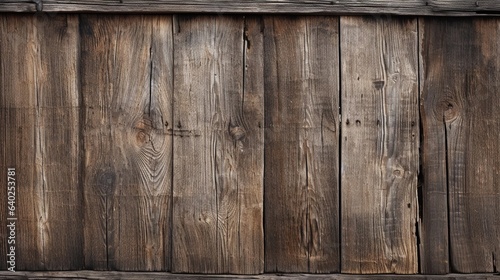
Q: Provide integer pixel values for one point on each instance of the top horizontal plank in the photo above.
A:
(331, 7)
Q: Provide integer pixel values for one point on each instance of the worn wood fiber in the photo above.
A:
(40, 109)
(218, 146)
(380, 139)
(461, 118)
(352, 7)
(127, 89)
(301, 151)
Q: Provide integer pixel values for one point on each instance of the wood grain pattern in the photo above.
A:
(127, 90)
(352, 7)
(460, 82)
(97, 275)
(301, 153)
(218, 147)
(18, 107)
(380, 139)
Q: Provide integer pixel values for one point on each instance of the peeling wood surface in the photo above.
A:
(301, 183)
(126, 93)
(380, 140)
(460, 86)
(218, 146)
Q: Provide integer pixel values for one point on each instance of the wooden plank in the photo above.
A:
(218, 116)
(127, 90)
(380, 140)
(460, 84)
(57, 151)
(94, 275)
(19, 6)
(19, 141)
(301, 153)
(434, 247)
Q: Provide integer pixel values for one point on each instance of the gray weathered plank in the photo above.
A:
(460, 85)
(409, 7)
(301, 152)
(127, 90)
(380, 139)
(218, 146)
(96, 275)
(18, 6)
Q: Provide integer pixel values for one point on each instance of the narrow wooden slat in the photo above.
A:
(434, 248)
(95, 275)
(460, 83)
(380, 139)
(57, 150)
(19, 141)
(301, 153)
(126, 88)
(218, 147)
(18, 6)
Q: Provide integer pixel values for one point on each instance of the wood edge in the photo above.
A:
(87, 274)
(245, 7)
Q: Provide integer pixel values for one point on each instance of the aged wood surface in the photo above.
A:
(460, 83)
(18, 142)
(408, 7)
(218, 146)
(301, 151)
(127, 90)
(19, 6)
(380, 139)
(169, 276)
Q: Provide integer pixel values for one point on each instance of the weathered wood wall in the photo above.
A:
(249, 144)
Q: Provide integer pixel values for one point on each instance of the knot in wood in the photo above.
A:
(450, 110)
(237, 132)
(106, 181)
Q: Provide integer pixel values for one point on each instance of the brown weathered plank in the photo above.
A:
(127, 89)
(301, 152)
(380, 139)
(434, 247)
(18, 107)
(57, 151)
(460, 84)
(94, 275)
(218, 147)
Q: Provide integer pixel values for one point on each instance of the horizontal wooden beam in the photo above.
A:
(331, 7)
(86, 274)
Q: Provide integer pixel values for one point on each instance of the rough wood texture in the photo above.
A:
(218, 147)
(408, 7)
(18, 108)
(301, 152)
(380, 139)
(95, 275)
(461, 113)
(127, 90)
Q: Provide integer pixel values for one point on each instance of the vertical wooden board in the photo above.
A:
(301, 152)
(460, 85)
(127, 89)
(18, 106)
(218, 146)
(380, 139)
(57, 151)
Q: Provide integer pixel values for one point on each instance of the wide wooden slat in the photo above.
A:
(380, 139)
(218, 146)
(460, 82)
(301, 153)
(127, 90)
